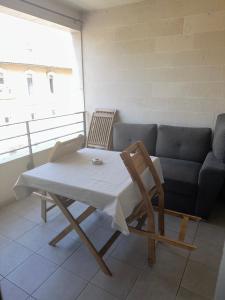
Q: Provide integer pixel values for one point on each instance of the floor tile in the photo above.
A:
(176, 250)
(92, 292)
(160, 281)
(56, 224)
(173, 223)
(12, 256)
(13, 226)
(92, 223)
(101, 236)
(4, 241)
(12, 292)
(200, 279)
(81, 263)
(122, 280)
(184, 294)
(132, 250)
(152, 286)
(61, 251)
(169, 265)
(207, 253)
(21, 207)
(32, 273)
(77, 208)
(36, 238)
(30, 208)
(211, 233)
(61, 285)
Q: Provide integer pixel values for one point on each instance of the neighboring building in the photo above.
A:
(39, 90)
(38, 71)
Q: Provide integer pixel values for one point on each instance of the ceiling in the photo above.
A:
(93, 4)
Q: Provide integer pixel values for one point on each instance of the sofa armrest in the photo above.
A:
(210, 182)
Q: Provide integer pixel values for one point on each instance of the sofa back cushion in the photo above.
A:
(125, 134)
(183, 142)
(219, 138)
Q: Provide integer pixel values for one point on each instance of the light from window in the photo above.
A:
(30, 84)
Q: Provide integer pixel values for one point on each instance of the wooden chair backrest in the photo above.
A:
(137, 159)
(64, 148)
(100, 130)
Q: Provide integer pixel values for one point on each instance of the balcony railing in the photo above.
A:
(27, 137)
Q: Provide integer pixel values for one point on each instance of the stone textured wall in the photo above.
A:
(157, 61)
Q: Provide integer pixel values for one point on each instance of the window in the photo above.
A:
(51, 82)
(2, 78)
(30, 83)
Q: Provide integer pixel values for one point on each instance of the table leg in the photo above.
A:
(75, 225)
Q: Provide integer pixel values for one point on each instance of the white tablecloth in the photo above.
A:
(107, 187)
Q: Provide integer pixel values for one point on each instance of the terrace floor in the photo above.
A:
(31, 269)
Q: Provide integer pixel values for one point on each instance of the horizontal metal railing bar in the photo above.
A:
(27, 122)
(51, 128)
(56, 138)
(33, 132)
(13, 137)
(53, 117)
(41, 142)
(14, 150)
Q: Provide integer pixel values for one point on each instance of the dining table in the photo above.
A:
(106, 186)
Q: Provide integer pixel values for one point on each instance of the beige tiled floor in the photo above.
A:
(31, 269)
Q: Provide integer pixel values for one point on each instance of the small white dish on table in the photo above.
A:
(97, 161)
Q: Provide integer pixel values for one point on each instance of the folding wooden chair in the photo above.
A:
(59, 150)
(100, 130)
(137, 160)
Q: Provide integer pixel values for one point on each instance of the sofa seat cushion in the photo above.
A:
(125, 134)
(181, 176)
(185, 143)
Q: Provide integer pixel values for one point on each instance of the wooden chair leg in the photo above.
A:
(151, 241)
(44, 210)
(151, 252)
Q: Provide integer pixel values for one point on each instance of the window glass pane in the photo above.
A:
(30, 84)
(51, 84)
(1, 78)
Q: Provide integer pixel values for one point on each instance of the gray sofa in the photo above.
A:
(193, 161)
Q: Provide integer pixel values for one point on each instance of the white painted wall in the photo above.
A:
(157, 61)
(10, 171)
